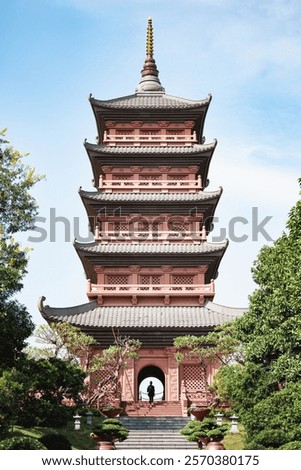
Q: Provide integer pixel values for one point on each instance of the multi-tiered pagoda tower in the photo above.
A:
(150, 269)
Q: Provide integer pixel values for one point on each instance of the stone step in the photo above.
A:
(159, 408)
(151, 439)
(154, 423)
(162, 446)
(137, 433)
(155, 433)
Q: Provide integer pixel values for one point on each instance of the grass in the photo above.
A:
(234, 441)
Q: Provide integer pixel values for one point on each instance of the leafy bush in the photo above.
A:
(55, 441)
(280, 413)
(207, 428)
(217, 433)
(268, 439)
(40, 412)
(294, 445)
(111, 430)
(4, 426)
(21, 443)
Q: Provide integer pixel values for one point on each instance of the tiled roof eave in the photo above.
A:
(151, 248)
(156, 101)
(197, 197)
(194, 149)
(92, 316)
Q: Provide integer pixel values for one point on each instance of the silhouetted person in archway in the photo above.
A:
(151, 392)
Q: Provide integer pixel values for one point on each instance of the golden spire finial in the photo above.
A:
(150, 82)
(149, 39)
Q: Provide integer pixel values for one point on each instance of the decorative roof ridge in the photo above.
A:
(224, 309)
(102, 148)
(81, 308)
(83, 244)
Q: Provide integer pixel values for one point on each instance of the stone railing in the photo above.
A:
(151, 236)
(151, 139)
(158, 185)
(146, 289)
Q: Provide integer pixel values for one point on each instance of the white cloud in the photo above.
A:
(256, 181)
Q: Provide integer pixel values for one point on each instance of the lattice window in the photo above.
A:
(100, 375)
(183, 279)
(179, 227)
(101, 380)
(174, 132)
(124, 132)
(122, 177)
(143, 227)
(117, 279)
(177, 178)
(194, 378)
(151, 279)
(120, 227)
(149, 132)
(149, 177)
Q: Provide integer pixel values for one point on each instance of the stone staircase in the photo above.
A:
(158, 408)
(150, 432)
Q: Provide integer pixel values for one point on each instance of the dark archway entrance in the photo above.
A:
(154, 374)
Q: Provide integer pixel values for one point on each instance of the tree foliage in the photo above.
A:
(113, 360)
(32, 394)
(275, 420)
(18, 208)
(68, 342)
(21, 443)
(271, 330)
(17, 213)
(220, 345)
(111, 430)
(65, 341)
(198, 431)
(266, 389)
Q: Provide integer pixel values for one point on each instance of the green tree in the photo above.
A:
(32, 394)
(220, 345)
(65, 341)
(113, 360)
(271, 329)
(17, 213)
(270, 334)
(204, 431)
(62, 340)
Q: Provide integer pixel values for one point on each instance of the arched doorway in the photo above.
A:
(154, 374)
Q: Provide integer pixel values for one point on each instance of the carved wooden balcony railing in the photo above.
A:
(132, 236)
(147, 289)
(159, 139)
(136, 186)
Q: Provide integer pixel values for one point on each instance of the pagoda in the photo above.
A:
(150, 269)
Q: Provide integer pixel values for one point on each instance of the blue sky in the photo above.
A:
(246, 54)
